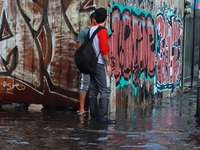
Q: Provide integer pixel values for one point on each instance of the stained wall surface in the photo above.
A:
(38, 42)
(192, 30)
(37, 45)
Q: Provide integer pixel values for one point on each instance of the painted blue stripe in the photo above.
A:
(149, 24)
(125, 17)
(142, 23)
(135, 22)
(115, 16)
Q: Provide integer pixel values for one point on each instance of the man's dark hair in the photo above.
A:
(92, 16)
(100, 15)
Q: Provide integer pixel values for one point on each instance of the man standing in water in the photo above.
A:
(85, 78)
(100, 80)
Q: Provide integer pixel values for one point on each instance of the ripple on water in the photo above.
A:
(102, 138)
(149, 145)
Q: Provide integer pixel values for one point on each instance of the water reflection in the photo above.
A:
(166, 124)
(82, 121)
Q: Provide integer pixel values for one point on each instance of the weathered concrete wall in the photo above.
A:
(38, 45)
(192, 41)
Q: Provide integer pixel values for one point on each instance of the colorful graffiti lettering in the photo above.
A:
(132, 46)
(169, 51)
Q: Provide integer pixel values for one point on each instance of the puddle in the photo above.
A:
(168, 124)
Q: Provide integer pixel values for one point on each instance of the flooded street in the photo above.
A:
(166, 124)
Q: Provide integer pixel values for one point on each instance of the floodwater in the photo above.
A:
(166, 124)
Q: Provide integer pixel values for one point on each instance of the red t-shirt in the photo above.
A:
(103, 41)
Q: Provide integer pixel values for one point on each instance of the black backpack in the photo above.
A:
(85, 56)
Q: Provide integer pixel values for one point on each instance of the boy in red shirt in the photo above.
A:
(100, 80)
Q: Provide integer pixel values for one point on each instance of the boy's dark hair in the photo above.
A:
(92, 16)
(100, 15)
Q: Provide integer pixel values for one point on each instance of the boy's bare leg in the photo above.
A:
(82, 102)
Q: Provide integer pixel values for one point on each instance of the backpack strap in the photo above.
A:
(95, 32)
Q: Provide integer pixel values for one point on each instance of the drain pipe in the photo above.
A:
(198, 88)
(192, 71)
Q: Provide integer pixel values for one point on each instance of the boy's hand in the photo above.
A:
(109, 70)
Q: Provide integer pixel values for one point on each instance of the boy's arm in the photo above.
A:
(78, 44)
(103, 44)
(108, 67)
(80, 39)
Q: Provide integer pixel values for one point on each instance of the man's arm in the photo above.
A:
(108, 67)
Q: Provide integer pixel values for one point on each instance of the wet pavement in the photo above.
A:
(166, 124)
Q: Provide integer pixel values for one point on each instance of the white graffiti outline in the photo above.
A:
(11, 87)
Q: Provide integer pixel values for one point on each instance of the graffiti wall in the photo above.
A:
(38, 42)
(132, 54)
(132, 46)
(197, 5)
(37, 45)
(169, 47)
(145, 50)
